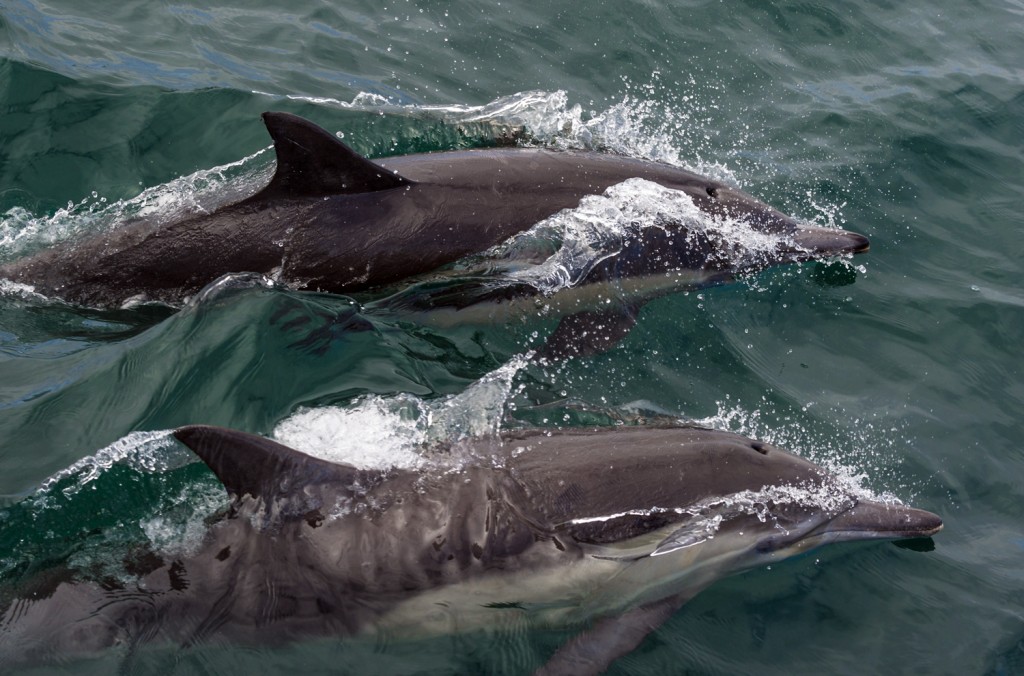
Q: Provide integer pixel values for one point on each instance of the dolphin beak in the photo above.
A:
(869, 520)
(817, 242)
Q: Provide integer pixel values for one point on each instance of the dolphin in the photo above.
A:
(608, 530)
(334, 221)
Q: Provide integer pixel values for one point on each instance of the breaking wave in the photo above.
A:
(147, 452)
(202, 191)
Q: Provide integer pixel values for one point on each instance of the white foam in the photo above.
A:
(22, 291)
(145, 451)
(377, 432)
(383, 432)
(600, 225)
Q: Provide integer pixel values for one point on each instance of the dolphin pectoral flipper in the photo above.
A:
(593, 651)
(312, 162)
(590, 332)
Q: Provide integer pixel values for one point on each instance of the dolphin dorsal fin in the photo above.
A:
(248, 464)
(311, 162)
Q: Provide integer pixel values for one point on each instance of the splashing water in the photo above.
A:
(383, 432)
(598, 228)
(146, 452)
(203, 191)
(9, 289)
(376, 432)
(703, 520)
(820, 448)
(650, 121)
(180, 526)
(540, 112)
(655, 121)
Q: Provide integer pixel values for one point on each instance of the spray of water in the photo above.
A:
(849, 465)
(598, 228)
(203, 191)
(383, 432)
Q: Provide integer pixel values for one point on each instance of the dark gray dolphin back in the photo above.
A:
(311, 162)
(604, 472)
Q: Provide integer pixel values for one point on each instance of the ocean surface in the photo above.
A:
(901, 367)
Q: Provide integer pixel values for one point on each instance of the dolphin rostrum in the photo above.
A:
(335, 221)
(606, 530)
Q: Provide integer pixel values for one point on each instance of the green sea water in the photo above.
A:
(903, 367)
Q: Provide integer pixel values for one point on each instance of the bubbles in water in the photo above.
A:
(179, 527)
(381, 432)
(820, 448)
(144, 451)
(598, 228)
(202, 191)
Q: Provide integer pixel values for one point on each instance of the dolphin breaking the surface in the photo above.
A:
(335, 221)
(606, 530)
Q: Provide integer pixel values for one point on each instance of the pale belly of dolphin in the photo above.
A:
(592, 297)
(561, 594)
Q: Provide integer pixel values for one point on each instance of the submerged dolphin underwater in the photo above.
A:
(335, 221)
(605, 530)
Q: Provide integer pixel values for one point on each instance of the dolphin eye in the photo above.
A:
(760, 447)
(712, 191)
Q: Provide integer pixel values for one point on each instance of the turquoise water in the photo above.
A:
(904, 365)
